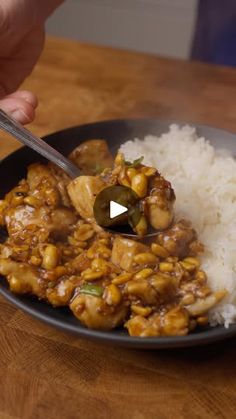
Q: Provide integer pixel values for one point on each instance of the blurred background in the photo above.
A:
(203, 30)
(163, 27)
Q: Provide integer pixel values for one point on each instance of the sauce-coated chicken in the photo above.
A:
(56, 251)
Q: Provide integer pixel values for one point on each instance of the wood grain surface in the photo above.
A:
(47, 374)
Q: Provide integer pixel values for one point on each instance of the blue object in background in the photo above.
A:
(215, 33)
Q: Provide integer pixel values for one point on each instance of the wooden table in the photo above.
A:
(47, 374)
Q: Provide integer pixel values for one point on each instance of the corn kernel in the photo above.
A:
(201, 277)
(122, 278)
(91, 253)
(50, 257)
(113, 295)
(159, 250)
(148, 171)
(119, 159)
(187, 266)
(89, 275)
(202, 320)
(144, 273)
(193, 261)
(161, 282)
(142, 226)
(166, 267)
(139, 185)
(145, 258)
(60, 271)
(131, 172)
(141, 311)
(84, 232)
(35, 260)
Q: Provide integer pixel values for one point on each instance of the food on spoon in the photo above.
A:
(155, 194)
(56, 251)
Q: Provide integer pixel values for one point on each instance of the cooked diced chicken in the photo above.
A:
(60, 222)
(203, 305)
(180, 239)
(22, 278)
(173, 323)
(57, 222)
(38, 172)
(124, 250)
(18, 218)
(159, 205)
(62, 181)
(83, 191)
(92, 157)
(61, 294)
(157, 288)
(48, 185)
(94, 313)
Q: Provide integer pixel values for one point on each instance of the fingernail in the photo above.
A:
(20, 115)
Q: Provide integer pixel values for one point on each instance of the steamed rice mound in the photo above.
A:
(204, 180)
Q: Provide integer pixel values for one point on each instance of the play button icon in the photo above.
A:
(116, 209)
(117, 206)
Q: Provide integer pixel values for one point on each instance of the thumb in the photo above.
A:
(20, 105)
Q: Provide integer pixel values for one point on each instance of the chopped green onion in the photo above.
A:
(92, 289)
(51, 284)
(98, 169)
(135, 163)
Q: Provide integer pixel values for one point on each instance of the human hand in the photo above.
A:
(21, 43)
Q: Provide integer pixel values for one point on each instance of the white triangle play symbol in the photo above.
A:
(116, 209)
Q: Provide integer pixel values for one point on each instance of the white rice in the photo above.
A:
(204, 180)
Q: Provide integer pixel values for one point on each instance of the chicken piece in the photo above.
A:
(180, 240)
(61, 294)
(159, 205)
(48, 185)
(19, 218)
(92, 157)
(37, 173)
(79, 263)
(16, 195)
(142, 290)
(174, 322)
(203, 305)
(60, 222)
(144, 327)
(83, 191)
(22, 278)
(56, 222)
(124, 250)
(62, 180)
(94, 313)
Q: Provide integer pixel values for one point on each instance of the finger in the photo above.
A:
(29, 97)
(18, 108)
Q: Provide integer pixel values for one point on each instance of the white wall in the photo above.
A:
(157, 26)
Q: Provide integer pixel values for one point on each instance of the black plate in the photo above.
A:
(13, 168)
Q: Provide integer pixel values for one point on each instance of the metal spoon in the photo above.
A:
(26, 137)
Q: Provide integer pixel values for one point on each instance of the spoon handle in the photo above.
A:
(19, 132)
